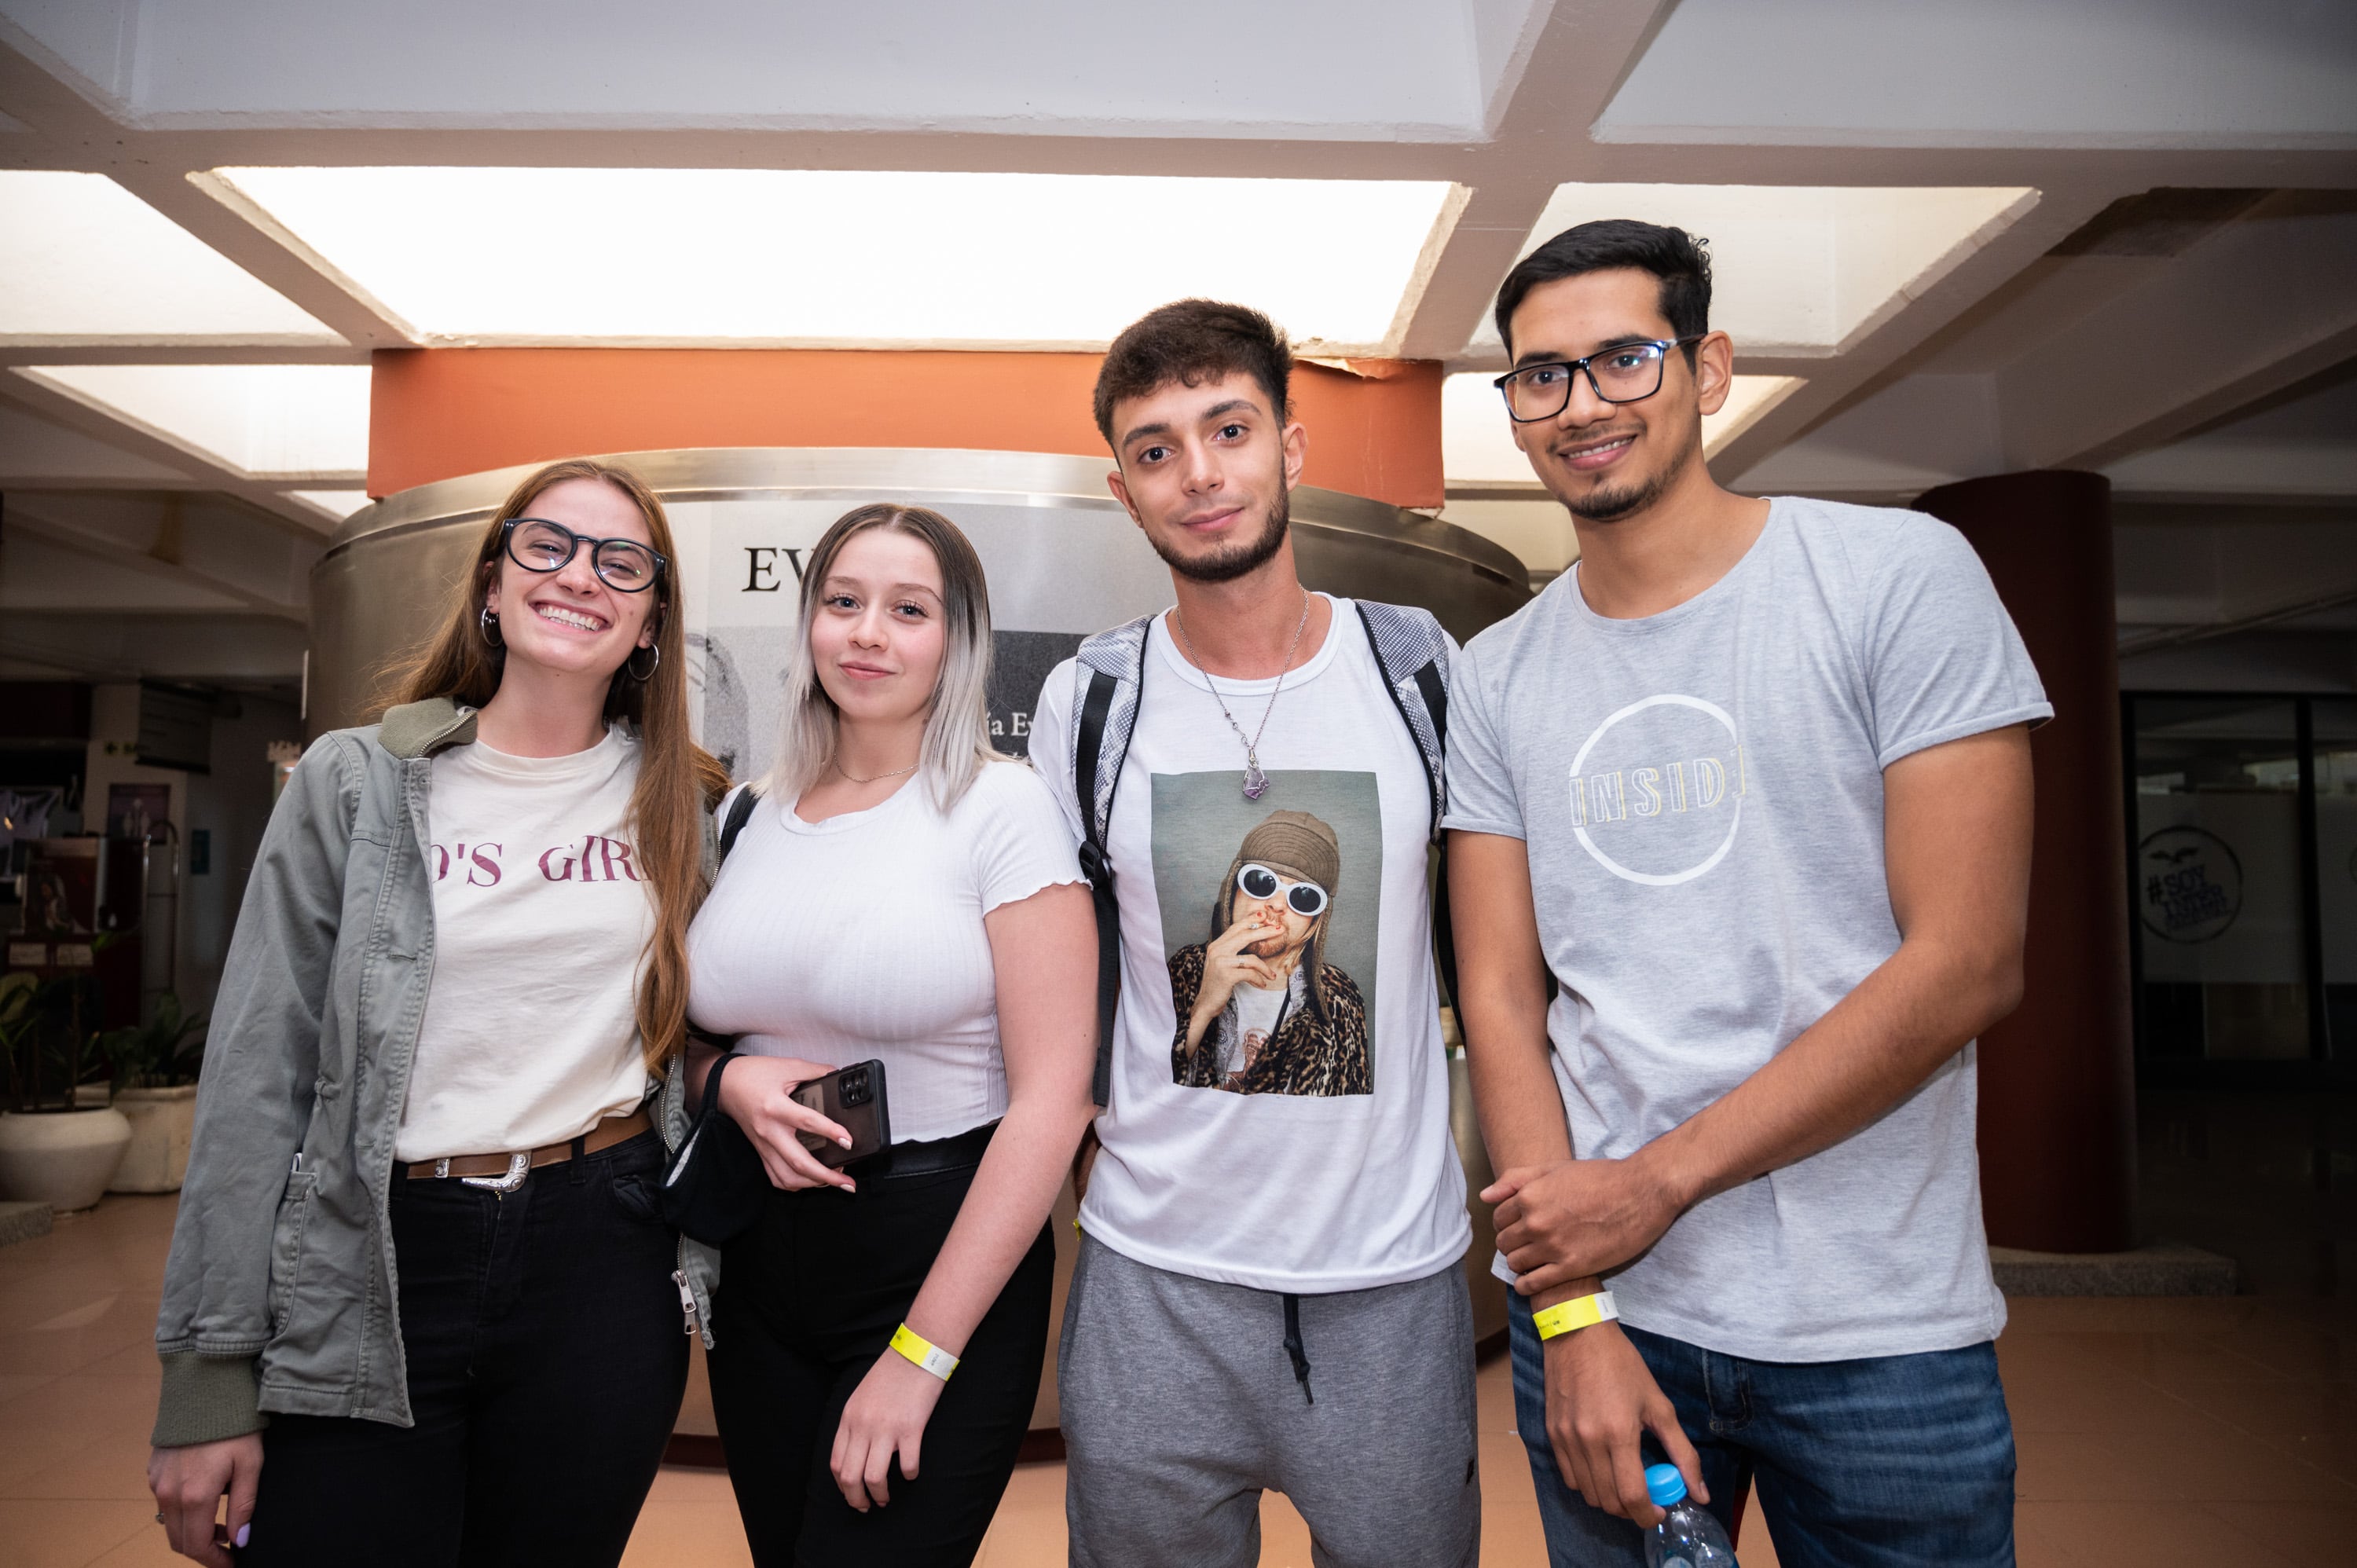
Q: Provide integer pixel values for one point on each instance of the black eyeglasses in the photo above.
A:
(1626, 372)
(537, 544)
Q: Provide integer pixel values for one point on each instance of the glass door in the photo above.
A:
(2218, 841)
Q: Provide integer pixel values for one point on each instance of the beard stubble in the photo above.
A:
(1232, 561)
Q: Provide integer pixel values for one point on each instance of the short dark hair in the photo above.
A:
(1194, 341)
(1673, 255)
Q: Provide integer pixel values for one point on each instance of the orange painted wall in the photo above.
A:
(435, 413)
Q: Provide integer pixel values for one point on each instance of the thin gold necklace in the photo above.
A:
(896, 773)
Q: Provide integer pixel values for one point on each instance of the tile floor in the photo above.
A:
(2217, 1432)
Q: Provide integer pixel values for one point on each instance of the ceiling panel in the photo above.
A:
(82, 261)
(1802, 270)
(295, 422)
(833, 257)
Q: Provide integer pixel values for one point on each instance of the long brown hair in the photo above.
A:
(678, 780)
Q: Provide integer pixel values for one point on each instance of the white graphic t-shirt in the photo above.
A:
(1701, 794)
(1280, 1098)
(539, 921)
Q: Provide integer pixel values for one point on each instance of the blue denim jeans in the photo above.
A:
(1885, 1462)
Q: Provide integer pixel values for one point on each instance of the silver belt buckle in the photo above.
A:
(519, 1167)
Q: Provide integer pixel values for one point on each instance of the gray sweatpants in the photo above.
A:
(1182, 1401)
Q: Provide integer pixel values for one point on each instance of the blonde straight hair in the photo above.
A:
(957, 729)
(678, 780)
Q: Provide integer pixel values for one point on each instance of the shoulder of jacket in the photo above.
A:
(419, 729)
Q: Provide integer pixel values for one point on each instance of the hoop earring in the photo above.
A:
(629, 665)
(490, 625)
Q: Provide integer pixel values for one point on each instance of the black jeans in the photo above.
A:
(808, 1300)
(546, 1362)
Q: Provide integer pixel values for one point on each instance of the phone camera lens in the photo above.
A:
(854, 1088)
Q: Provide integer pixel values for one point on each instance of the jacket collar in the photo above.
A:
(420, 729)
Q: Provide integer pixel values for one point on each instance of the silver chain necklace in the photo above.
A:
(1255, 781)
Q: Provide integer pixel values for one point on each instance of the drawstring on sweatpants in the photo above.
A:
(1294, 1347)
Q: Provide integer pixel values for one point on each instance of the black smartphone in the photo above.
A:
(852, 1099)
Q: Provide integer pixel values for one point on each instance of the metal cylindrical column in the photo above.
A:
(2056, 1087)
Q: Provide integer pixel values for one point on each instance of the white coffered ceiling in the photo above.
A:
(1951, 240)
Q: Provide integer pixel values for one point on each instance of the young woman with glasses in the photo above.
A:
(420, 1305)
(899, 893)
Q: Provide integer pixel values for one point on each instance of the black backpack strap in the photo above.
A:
(740, 812)
(1432, 689)
(1111, 666)
(1435, 703)
(1086, 760)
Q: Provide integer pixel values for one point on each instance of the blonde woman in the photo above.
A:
(419, 1306)
(902, 893)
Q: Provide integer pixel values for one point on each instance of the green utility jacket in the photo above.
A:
(279, 1291)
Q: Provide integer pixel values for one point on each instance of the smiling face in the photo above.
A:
(1607, 461)
(1205, 471)
(568, 621)
(878, 633)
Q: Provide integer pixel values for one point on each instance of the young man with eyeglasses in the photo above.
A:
(1739, 816)
(1269, 1292)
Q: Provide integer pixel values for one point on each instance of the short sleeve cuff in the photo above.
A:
(1454, 822)
(1019, 888)
(2031, 713)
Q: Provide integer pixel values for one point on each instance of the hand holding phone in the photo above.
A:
(853, 1098)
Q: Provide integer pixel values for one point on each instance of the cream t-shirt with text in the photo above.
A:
(541, 918)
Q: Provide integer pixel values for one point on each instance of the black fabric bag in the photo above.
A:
(712, 1191)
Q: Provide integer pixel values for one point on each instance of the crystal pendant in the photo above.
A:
(1255, 781)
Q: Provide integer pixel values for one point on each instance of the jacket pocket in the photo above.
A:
(286, 1245)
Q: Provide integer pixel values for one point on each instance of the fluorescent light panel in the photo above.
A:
(83, 260)
(266, 421)
(1801, 269)
(833, 257)
(1476, 441)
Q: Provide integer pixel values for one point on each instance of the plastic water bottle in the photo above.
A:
(1688, 1536)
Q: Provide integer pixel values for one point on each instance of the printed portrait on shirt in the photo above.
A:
(1269, 921)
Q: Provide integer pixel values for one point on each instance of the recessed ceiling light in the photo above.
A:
(85, 261)
(849, 258)
(1476, 441)
(291, 422)
(1798, 269)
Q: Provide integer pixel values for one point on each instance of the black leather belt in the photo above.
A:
(962, 1152)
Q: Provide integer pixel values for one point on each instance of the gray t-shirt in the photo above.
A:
(1701, 792)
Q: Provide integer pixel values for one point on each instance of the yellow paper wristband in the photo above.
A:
(924, 1352)
(1581, 1312)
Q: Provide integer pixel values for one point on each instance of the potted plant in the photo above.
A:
(154, 1067)
(52, 1150)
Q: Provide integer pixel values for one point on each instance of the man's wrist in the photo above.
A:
(1571, 1291)
(1670, 1167)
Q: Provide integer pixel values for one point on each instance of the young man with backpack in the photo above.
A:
(1268, 1292)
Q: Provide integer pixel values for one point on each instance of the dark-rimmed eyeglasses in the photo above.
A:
(537, 544)
(1626, 372)
(1257, 882)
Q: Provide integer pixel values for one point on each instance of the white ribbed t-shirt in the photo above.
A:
(861, 936)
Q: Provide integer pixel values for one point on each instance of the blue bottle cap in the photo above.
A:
(1664, 1485)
